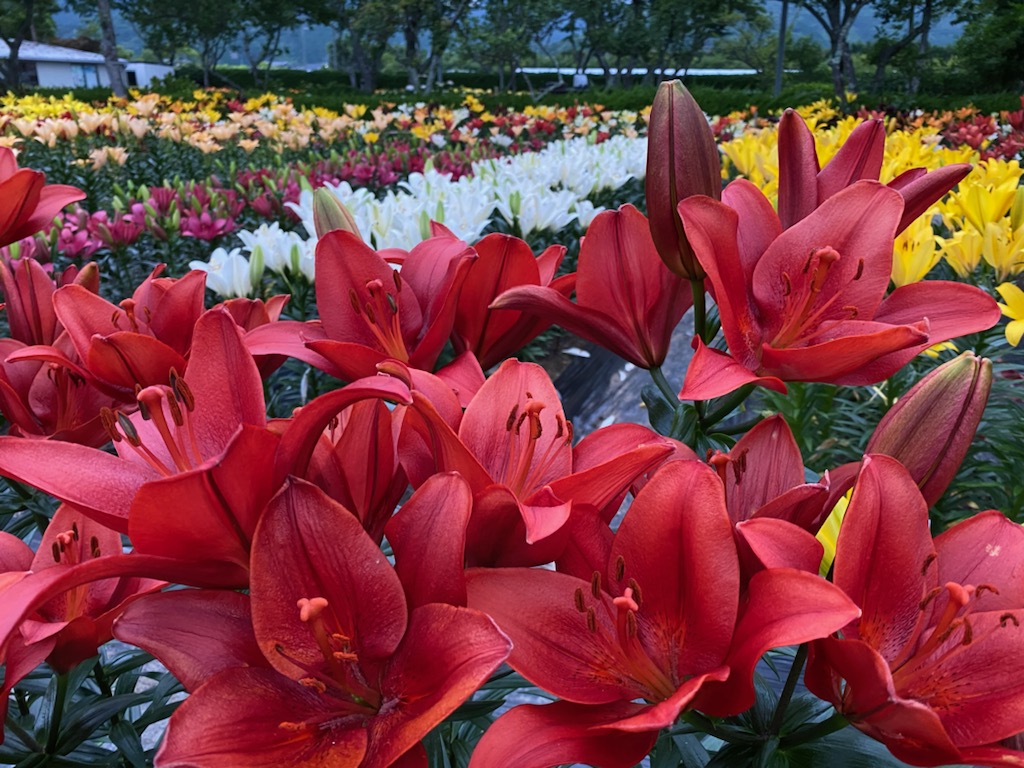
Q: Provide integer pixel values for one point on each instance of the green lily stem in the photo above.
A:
(726, 406)
(101, 680)
(815, 731)
(663, 386)
(787, 690)
(700, 312)
(58, 714)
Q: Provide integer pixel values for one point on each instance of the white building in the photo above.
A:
(52, 66)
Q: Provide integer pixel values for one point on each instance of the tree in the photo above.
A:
(100, 12)
(262, 22)
(991, 43)
(169, 26)
(836, 17)
(504, 32)
(22, 20)
(902, 24)
(680, 32)
(364, 28)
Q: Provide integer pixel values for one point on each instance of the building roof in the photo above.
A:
(32, 51)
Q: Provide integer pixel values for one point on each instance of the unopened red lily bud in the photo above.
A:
(329, 214)
(931, 427)
(682, 160)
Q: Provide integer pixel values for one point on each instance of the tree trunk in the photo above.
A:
(108, 47)
(412, 44)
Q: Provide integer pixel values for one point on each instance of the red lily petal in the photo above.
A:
(346, 265)
(713, 373)
(798, 169)
(665, 713)
(921, 190)
(778, 543)
(684, 559)
(345, 360)
(123, 360)
(804, 505)
(428, 444)
(464, 376)
(713, 231)
(307, 425)
(885, 530)
(855, 349)
(494, 420)
(765, 463)
(507, 531)
(987, 701)
(52, 199)
(440, 295)
(99, 484)
(608, 461)
(951, 309)
(446, 655)
(910, 729)
(859, 223)
(566, 658)
(28, 292)
(209, 513)
(502, 262)
(15, 554)
(542, 736)
(589, 544)
(173, 307)
(860, 157)
(236, 721)
(586, 322)
(325, 553)
(224, 379)
(782, 606)
(760, 223)
(428, 536)
(984, 549)
(194, 633)
(994, 756)
(289, 337)
(20, 195)
(19, 661)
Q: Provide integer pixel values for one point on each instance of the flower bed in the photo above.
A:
(320, 619)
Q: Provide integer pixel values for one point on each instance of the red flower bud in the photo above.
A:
(931, 427)
(682, 161)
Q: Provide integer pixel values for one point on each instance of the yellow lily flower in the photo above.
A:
(1013, 309)
(915, 252)
(1003, 249)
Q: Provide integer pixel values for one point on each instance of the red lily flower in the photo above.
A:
(369, 312)
(69, 628)
(351, 676)
(803, 188)
(356, 464)
(627, 301)
(774, 511)
(504, 262)
(660, 620)
(808, 303)
(133, 344)
(932, 668)
(514, 447)
(27, 203)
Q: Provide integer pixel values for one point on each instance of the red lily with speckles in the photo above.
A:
(932, 668)
(627, 300)
(803, 187)
(353, 673)
(69, 628)
(133, 344)
(809, 303)
(370, 312)
(198, 443)
(27, 203)
(659, 620)
(514, 447)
